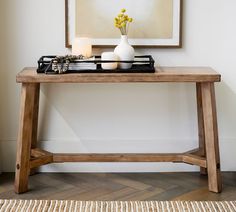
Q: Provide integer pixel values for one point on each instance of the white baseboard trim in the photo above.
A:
(227, 149)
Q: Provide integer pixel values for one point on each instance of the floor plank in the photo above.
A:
(122, 186)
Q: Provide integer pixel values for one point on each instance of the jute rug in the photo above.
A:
(134, 206)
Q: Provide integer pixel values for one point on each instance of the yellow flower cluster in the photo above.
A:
(122, 22)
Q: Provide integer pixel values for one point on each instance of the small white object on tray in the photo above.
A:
(109, 56)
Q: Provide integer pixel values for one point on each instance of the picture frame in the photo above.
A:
(170, 33)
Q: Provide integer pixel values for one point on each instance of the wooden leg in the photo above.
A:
(211, 137)
(201, 133)
(25, 136)
(34, 135)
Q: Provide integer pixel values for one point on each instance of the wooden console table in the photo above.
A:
(205, 156)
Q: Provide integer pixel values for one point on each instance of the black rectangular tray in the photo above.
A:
(141, 64)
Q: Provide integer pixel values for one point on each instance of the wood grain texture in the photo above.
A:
(30, 157)
(162, 74)
(201, 129)
(194, 160)
(211, 136)
(34, 138)
(119, 186)
(161, 157)
(25, 137)
(41, 160)
(117, 157)
(40, 157)
(39, 152)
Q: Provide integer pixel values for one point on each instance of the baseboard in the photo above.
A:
(227, 149)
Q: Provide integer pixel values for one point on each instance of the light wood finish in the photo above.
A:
(25, 136)
(40, 157)
(162, 74)
(211, 136)
(195, 160)
(34, 138)
(29, 156)
(39, 152)
(117, 157)
(201, 130)
(119, 186)
(174, 157)
(39, 161)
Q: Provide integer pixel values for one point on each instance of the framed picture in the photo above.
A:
(157, 23)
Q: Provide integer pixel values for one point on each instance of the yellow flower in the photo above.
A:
(123, 10)
(130, 20)
(122, 21)
(117, 25)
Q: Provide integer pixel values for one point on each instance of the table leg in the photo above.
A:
(34, 138)
(28, 94)
(201, 133)
(211, 137)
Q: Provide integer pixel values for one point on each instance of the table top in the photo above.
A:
(162, 74)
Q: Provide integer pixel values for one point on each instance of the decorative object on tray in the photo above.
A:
(80, 64)
(62, 64)
(124, 50)
(109, 56)
(82, 46)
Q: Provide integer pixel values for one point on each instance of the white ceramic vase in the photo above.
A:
(125, 52)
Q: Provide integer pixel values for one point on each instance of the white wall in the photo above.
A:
(118, 117)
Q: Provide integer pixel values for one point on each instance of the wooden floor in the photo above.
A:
(143, 186)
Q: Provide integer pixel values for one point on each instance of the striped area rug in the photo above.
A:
(97, 206)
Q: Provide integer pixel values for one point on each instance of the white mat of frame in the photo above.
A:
(116, 206)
